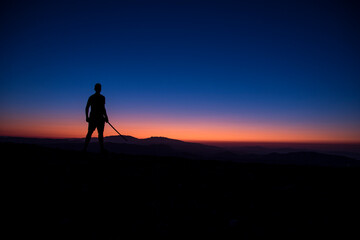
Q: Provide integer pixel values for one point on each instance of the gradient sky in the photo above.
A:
(191, 70)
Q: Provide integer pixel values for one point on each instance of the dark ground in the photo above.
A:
(59, 194)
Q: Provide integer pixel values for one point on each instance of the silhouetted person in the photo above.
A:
(97, 117)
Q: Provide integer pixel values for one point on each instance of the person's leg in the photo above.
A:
(100, 128)
(91, 129)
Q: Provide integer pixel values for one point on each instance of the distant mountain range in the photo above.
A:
(162, 146)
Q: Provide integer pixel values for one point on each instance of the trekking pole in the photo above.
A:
(117, 131)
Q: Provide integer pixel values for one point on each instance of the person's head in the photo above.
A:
(97, 88)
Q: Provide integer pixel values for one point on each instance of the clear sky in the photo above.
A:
(191, 70)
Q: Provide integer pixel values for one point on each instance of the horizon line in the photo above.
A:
(208, 141)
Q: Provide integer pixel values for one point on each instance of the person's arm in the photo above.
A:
(105, 114)
(87, 110)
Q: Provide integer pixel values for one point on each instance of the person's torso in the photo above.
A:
(97, 103)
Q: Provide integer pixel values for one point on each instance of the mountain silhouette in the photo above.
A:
(162, 146)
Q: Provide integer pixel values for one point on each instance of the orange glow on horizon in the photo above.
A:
(182, 130)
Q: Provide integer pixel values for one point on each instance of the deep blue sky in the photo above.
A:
(290, 63)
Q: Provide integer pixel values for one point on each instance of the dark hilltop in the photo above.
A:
(58, 192)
